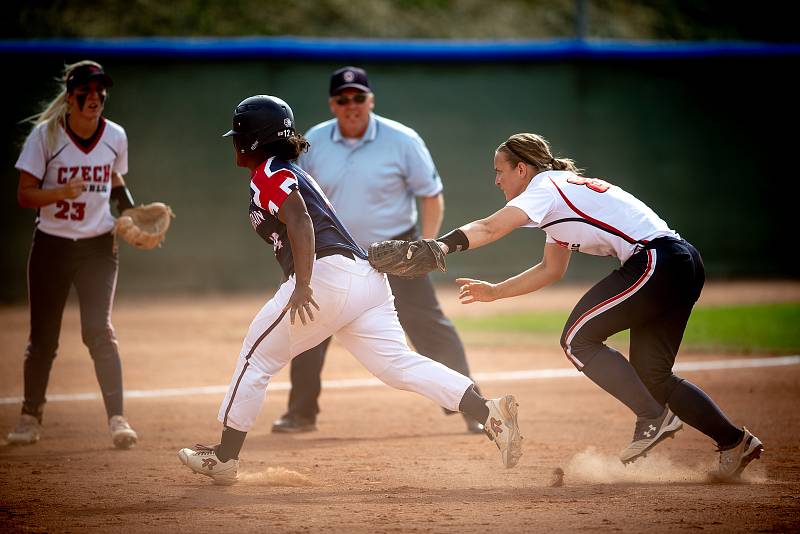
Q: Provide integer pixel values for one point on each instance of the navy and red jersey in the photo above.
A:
(270, 186)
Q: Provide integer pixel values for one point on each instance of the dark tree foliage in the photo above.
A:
(768, 20)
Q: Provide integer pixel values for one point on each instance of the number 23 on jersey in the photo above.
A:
(73, 211)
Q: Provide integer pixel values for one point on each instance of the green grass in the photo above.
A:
(760, 328)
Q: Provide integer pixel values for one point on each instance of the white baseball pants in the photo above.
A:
(357, 306)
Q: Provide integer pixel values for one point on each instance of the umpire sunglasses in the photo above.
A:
(358, 98)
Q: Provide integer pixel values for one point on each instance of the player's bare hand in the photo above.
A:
(470, 291)
(300, 304)
(74, 188)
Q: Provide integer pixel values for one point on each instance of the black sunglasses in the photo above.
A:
(358, 98)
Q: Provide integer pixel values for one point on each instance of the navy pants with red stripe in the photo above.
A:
(652, 294)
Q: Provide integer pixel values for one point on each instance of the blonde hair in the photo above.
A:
(534, 150)
(55, 112)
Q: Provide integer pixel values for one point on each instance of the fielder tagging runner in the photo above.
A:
(652, 293)
(332, 289)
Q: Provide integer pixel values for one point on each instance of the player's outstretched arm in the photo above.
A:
(412, 259)
(484, 231)
(554, 264)
(294, 214)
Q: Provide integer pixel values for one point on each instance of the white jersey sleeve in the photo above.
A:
(536, 202)
(121, 142)
(33, 157)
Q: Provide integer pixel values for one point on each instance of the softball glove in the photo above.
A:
(407, 259)
(144, 226)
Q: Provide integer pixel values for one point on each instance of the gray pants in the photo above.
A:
(56, 264)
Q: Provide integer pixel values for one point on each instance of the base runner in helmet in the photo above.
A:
(329, 289)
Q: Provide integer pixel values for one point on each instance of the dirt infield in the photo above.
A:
(382, 460)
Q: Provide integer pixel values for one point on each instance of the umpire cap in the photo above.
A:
(260, 120)
(349, 77)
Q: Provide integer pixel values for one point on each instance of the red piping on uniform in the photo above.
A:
(564, 244)
(615, 297)
(599, 223)
(612, 299)
(98, 135)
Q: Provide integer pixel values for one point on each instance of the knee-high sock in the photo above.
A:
(612, 372)
(695, 408)
(231, 444)
(474, 405)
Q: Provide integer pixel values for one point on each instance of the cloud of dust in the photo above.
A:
(593, 467)
(276, 476)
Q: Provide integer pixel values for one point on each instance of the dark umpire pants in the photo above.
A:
(55, 264)
(431, 333)
(652, 294)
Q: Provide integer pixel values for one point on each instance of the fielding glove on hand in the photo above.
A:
(407, 259)
(145, 226)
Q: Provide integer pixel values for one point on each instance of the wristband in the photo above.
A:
(456, 241)
(122, 197)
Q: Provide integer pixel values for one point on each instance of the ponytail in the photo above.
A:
(534, 150)
(564, 164)
(287, 149)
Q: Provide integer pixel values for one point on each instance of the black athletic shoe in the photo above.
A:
(290, 423)
(649, 433)
(473, 427)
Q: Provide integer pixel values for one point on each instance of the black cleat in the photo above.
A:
(649, 433)
(290, 423)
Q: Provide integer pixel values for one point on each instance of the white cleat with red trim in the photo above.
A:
(203, 460)
(501, 426)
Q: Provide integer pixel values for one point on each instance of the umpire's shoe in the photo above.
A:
(473, 427)
(502, 428)
(290, 423)
(649, 433)
(203, 460)
(733, 461)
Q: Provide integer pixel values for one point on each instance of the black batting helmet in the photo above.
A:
(260, 120)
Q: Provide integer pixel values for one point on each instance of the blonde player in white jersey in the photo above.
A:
(652, 293)
(70, 166)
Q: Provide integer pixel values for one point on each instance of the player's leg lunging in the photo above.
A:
(615, 304)
(654, 347)
(376, 339)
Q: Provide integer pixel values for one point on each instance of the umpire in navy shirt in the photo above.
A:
(372, 170)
